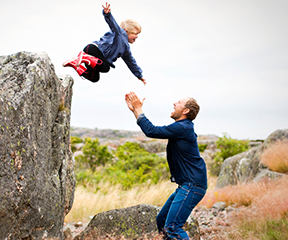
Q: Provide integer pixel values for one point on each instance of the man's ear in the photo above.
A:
(186, 110)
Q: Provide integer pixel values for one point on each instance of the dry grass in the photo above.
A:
(246, 194)
(242, 194)
(267, 214)
(265, 217)
(87, 202)
(276, 157)
(274, 202)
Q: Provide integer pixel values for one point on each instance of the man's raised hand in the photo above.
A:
(134, 103)
(129, 102)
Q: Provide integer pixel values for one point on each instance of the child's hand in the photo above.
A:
(107, 8)
(143, 80)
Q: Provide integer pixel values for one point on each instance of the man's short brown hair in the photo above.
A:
(194, 108)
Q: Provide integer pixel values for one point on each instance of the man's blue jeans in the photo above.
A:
(177, 209)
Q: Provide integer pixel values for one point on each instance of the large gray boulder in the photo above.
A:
(37, 180)
(132, 223)
(247, 166)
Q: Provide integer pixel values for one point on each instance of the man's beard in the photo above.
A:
(175, 116)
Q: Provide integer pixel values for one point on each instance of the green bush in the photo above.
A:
(85, 177)
(202, 147)
(94, 155)
(74, 141)
(132, 166)
(228, 147)
(135, 166)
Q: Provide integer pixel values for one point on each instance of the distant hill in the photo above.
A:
(116, 134)
(104, 133)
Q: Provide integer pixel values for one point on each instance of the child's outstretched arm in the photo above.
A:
(107, 8)
(132, 65)
(113, 25)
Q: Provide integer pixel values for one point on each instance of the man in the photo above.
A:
(187, 168)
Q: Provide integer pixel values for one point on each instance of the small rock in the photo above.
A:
(220, 206)
(68, 234)
(79, 224)
(230, 208)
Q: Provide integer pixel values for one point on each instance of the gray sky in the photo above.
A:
(230, 55)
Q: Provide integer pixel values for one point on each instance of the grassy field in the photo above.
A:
(88, 202)
(265, 216)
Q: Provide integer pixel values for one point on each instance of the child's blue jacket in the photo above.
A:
(114, 44)
(185, 162)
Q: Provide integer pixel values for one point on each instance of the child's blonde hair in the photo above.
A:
(130, 25)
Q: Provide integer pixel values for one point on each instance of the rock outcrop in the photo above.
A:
(247, 166)
(37, 180)
(132, 223)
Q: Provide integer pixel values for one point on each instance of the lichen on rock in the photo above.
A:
(247, 166)
(37, 180)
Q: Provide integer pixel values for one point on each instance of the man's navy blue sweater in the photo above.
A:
(183, 155)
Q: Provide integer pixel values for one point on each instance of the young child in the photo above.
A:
(99, 56)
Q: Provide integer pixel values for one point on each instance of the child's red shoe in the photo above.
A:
(73, 63)
(88, 59)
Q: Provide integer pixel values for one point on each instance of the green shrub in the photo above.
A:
(137, 170)
(94, 155)
(85, 177)
(202, 147)
(74, 141)
(228, 147)
(132, 166)
(135, 166)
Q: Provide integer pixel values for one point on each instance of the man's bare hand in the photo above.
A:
(134, 100)
(129, 103)
(134, 103)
